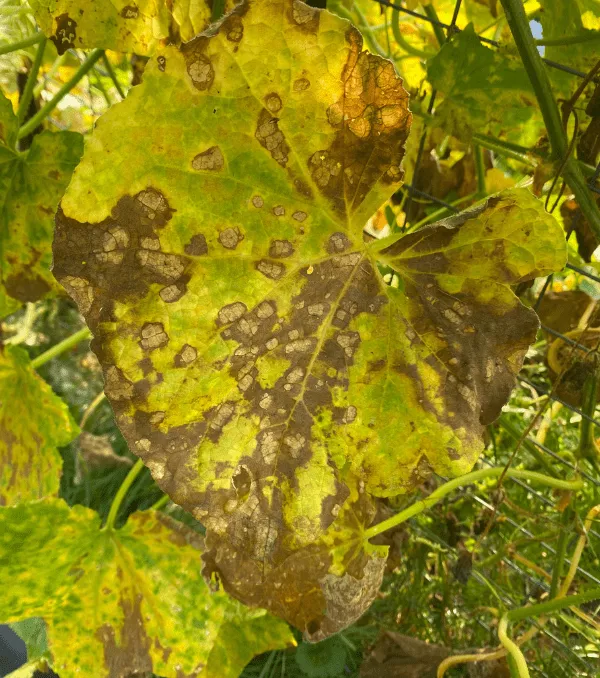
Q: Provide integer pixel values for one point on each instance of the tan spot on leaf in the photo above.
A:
(232, 312)
(172, 293)
(280, 249)
(210, 160)
(279, 210)
(230, 238)
(271, 137)
(273, 102)
(299, 216)
(257, 201)
(301, 84)
(186, 356)
(270, 269)
(153, 336)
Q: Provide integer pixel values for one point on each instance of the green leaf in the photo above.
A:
(123, 602)
(253, 355)
(31, 185)
(484, 90)
(562, 20)
(122, 25)
(33, 423)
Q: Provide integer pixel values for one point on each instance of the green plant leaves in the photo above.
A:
(484, 90)
(29, 461)
(124, 602)
(31, 184)
(254, 357)
(125, 26)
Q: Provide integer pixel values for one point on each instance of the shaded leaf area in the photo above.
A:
(398, 656)
(252, 353)
(31, 185)
(29, 460)
(576, 18)
(122, 25)
(484, 90)
(118, 603)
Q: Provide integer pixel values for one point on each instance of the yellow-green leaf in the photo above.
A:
(31, 185)
(138, 26)
(118, 603)
(254, 356)
(483, 90)
(33, 423)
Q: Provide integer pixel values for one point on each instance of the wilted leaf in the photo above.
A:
(31, 185)
(398, 656)
(252, 353)
(97, 451)
(122, 25)
(29, 461)
(484, 90)
(118, 603)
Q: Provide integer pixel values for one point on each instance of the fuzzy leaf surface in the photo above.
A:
(253, 355)
(121, 25)
(124, 602)
(30, 463)
(31, 185)
(484, 90)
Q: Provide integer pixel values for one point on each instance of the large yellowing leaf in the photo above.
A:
(31, 185)
(125, 602)
(138, 26)
(253, 355)
(33, 423)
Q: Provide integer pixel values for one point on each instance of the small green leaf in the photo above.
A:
(484, 90)
(33, 423)
(31, 185)
(124, 602)
(122, 25)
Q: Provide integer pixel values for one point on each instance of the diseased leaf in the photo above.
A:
(253, 355)
(31, 185)
(484, 90)
(125, 602)
(138, 26)
(395, 655)
(29, 461)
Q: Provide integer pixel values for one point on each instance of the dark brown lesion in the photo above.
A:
(130, 12)
(198, 65)
(270, 136)
(210, 160)
(64, 33)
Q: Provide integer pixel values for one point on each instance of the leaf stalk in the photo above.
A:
(121, 492)
(22, 44)
(61, 347)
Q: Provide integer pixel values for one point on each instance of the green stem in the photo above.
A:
(512, 649)
(45, 111)
(570, 40)
(473, 477)
(121, 492)
(401, 40)
(480, 168)
(438, 30)
(540, 82)
(163, 501)
(561, 552)
(587, 443)
(553, 605)
(31, 81)
(113, 75)
(61, 347)
(22, 44)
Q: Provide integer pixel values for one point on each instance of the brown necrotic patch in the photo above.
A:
(270, 269)
(280, 249)
(130, 12)
(197, 246)
(65, 33)
(301, 84)
(372, 123)
(233, 28)
(230, 238)
(198, 65)
(209, 160)
(305, 17)
(271, 137)
(152, 336)
(119, 258)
